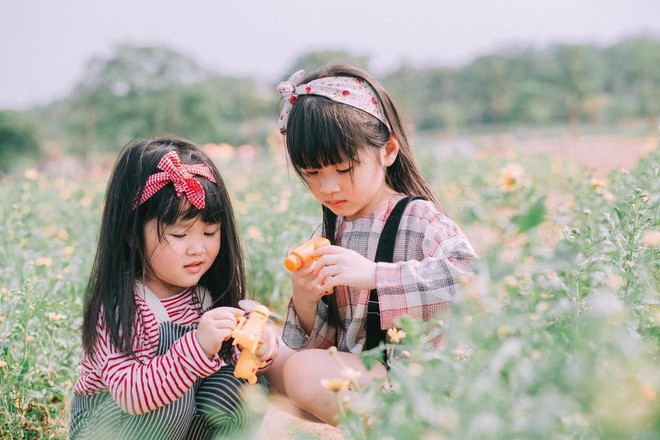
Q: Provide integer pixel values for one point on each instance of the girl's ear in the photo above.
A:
(390, 150)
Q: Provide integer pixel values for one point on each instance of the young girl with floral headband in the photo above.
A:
(394, 252)
(162, 302)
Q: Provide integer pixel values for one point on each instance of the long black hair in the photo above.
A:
(120, 256)
(322, 132)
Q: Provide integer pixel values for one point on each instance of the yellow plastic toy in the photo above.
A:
(302, 254)
(247, 334)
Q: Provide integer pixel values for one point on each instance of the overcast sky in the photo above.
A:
(45, 44)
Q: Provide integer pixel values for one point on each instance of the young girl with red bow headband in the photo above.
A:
(162, 302)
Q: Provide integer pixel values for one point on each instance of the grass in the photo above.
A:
(556, 336)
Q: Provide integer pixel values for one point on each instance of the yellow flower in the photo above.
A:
(68, 251)
(651, 238)
(332, 350)
(335, 385)
(3, 364)
(62, 235)
(395, 335)
(55, 317)
(31, 174)
(511, 177)
(2, 319)
(350, 374)
(44, 261)
(598, 185)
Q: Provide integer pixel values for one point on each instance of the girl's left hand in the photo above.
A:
(338, 266)
(268, 345)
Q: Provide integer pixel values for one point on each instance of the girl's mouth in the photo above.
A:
(335, 203)
(194, 267)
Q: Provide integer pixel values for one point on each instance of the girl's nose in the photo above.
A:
(329, 184)
(195, 248)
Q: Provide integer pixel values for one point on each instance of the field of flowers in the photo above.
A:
(556, 336)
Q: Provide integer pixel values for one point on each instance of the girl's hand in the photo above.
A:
(307, 289)
(215, 327)
(268, 345)
(338, 266)
(307, 292)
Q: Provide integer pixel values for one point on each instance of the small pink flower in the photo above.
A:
(345, 93)
(374, 100)
(308, 89)
(293, 99)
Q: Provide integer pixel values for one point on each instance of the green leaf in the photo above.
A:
(370, 357)
(619, 213)
(534, 216)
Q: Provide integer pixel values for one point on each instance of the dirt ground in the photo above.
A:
(598, 154)
(283, 420)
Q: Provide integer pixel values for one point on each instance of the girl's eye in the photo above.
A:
(344, 170)
(178, 235)
(308, 173)
(211, 234)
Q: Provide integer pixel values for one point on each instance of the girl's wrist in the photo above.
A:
(303, 305)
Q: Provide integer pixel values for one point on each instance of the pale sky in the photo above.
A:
(45, 44)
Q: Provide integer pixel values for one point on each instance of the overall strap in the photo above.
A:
(384, 254)
(153, 302)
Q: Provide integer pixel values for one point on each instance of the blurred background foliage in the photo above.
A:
(555, 337)
(142, 91)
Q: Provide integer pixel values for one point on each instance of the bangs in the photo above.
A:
(322, 132)
(167, 208)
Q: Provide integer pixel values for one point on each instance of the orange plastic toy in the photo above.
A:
(247, 334)
(302, 254)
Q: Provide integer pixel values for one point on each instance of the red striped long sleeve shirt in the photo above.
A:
(142, 385)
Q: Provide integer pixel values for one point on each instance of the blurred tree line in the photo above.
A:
(142, 91)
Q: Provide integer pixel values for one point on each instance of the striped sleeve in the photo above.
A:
(150, 382)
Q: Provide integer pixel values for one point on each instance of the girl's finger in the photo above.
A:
(328, 271)
(224, 334)
(222, 324)
(327, 250)
(226, 312)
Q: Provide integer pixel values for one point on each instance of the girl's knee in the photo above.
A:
(302, 376)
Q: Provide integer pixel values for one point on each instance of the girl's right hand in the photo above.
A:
(215, 327)
(307, 290)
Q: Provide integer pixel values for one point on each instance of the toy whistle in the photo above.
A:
(302, 254)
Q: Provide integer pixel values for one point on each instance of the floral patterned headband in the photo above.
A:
(344, 89)
(181, 176)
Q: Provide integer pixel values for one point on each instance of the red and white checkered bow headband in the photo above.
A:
(345, 89)
(181, 177)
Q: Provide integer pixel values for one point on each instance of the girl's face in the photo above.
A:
(353, 191)
(180, 257)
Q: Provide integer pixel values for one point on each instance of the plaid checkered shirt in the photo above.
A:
(431, 255)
